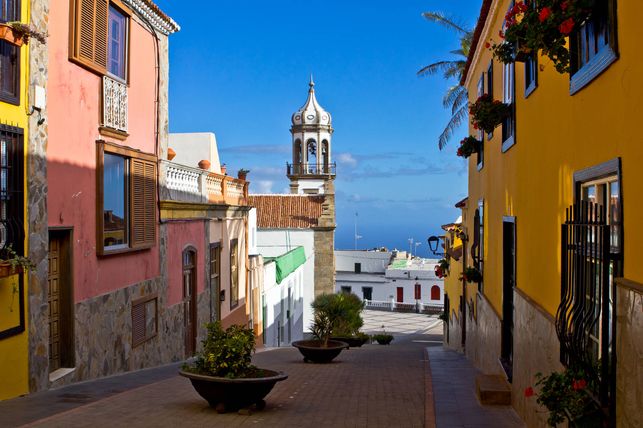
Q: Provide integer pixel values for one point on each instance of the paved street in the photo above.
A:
(372, 386)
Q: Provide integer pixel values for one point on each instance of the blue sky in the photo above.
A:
(240, 69)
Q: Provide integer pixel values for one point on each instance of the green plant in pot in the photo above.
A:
(348, 325)
(223, 374)
(329, 312)
(383, 338)
(471, 275)
(11, 263)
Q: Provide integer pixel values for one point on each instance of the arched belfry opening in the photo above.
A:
(312, 167)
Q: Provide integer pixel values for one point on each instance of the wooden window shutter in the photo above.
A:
(138, 323)
(143, 203)
(89, 33)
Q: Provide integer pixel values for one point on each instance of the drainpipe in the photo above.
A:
(464, 293)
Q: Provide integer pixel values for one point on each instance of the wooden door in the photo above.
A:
(189, 300)
(53, 298)
(400, 294)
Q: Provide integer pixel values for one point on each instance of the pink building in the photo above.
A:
(108, 307)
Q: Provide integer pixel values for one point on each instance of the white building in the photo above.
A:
(387, 281)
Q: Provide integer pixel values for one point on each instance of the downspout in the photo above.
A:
(464, 293)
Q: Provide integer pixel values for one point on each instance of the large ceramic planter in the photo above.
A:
(314, 352)
(352, 342)
(226, 395)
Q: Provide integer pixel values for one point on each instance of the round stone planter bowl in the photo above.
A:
(352, 342)
(314, 351)
(225, 395)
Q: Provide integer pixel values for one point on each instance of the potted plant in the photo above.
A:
(222, 372)
(11, 263)
(329, 310)
(18, 33)
(383, 338)
(487, 113)
(471, 274)
(224, 169)
(242, 174)
(569, 395)
(347, 328)
(468, 146)
(544, 25)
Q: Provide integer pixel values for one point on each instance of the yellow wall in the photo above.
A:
(556, 135)
(14, 351)
(452, 283)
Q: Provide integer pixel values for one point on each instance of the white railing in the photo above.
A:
(392, 305)
(186, 184)
(114, 104)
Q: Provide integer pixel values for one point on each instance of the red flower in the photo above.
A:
(501, 34)
(579, 384)
(544, 14)
(475, 126)
(566, 26)
(529, 391)
(487, 45)
(564, 5)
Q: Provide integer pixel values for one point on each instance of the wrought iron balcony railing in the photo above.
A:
(114, 104)
(310, 169)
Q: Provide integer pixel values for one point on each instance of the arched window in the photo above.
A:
(311, 156)
(435, 293)
(296, 151)
(325, 156)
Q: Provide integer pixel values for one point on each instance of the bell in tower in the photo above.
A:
(311, 170)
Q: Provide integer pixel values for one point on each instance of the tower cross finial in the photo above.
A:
(312, 83)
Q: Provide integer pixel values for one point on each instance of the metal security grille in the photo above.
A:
(584, 317)
(12, 231)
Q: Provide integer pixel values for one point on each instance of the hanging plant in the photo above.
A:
(18, 33)
(439, 272)
(471, 275)
(543, 25)
(468, 146)
(487, 113)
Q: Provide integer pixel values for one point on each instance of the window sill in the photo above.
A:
(508, 143)
(61, 373)
(114, 133)
(531, 88)
(105, 253)
(592, 69)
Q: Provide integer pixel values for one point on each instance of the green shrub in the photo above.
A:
(225, 353)
(336, 314)
(383, 339)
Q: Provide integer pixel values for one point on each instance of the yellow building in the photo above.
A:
(571, 138)
(14, 71)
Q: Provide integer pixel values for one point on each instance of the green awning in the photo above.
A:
(288, 263)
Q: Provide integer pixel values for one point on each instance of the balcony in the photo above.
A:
(310, 169)
(182, 183)
(114, 105)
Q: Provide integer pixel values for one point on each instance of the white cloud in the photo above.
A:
(262, 186)
(347, 159)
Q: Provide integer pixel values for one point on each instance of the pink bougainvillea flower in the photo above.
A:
(529, 391)
(566, 26)
(544, 14)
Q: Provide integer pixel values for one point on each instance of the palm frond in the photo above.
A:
(460, 100)
(446, 21)
(459, 52)
(440, 66)
(453, 123)
(455, 70)
(452, 94)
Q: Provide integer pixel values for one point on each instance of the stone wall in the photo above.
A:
(38, 241)
(629, 353)
(483, 336)
(455, 333)
(536, 349)
(325, 243)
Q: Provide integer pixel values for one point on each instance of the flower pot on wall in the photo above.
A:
(204, 164)
(170, 154)
(7, 34)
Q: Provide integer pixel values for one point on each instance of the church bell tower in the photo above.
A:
(311, 171)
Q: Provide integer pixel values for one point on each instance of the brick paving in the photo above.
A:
(372, 386)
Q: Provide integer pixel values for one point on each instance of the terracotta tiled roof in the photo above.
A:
(287, 211)
(484, 12)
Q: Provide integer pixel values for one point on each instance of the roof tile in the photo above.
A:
(287, 211)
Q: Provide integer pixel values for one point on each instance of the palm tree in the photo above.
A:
(456, 97)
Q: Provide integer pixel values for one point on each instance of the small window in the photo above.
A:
(234, 273)
(367, 293)
(9, 57)
(11, 188)
(117, 43)
(480, 134)
(490, 90)
(358, 268)
(435, 293)
(126, 192)
(593, 46)
(144, 319)
(347, 290)
(508, 97)
(531, 74)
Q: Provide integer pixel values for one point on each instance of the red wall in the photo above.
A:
(74, 117)
(181, 235)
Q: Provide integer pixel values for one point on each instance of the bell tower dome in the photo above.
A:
(311, 169)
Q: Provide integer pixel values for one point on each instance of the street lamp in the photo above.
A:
(434, 241)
